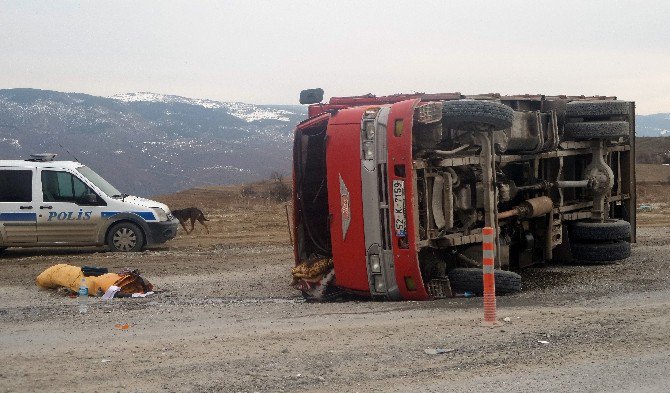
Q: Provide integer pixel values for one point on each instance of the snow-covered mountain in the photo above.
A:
(246, 112)
(657, 124)
(148, 143)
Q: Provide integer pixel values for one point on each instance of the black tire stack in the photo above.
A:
(594, 242)
(596, 120)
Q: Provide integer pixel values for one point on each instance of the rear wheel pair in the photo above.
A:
(596, 120)
(595, 242)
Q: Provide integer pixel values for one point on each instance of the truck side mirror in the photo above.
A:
(311, 96)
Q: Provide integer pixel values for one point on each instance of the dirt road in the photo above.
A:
(226, 320)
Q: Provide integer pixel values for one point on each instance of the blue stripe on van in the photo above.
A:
(145, 215)
(18, 217)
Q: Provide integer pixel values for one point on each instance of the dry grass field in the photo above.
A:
(653, 189)
(236, 219)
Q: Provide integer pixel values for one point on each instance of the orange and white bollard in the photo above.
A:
(488, 259)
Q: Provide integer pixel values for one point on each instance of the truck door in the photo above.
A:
(17, 207)
(69, 211)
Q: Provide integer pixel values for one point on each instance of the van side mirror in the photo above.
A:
(311, 96)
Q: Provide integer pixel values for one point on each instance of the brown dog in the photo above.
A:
(190, 213)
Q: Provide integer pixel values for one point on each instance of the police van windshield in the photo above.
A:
(99, 182)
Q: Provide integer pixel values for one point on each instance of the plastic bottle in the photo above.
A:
(83, 296)
(465, 294)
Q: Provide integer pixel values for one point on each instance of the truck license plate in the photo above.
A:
(400, 221)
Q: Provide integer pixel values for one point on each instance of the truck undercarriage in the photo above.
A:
(554, 176)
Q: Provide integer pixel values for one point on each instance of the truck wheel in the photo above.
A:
(600, 253)
(597, 230)
(596, 130)
(472, 280)
(125, 237)
(477, 115)
(597, 109)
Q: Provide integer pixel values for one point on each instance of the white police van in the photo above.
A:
(64, 203)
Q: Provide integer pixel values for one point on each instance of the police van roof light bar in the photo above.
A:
(42, 157)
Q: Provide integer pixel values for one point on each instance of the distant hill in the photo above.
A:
(147, 143)
(653, 125)
(652, 150)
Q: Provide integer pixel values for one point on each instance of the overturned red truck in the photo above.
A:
(391, 193)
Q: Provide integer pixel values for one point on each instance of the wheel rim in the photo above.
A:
(124, 239)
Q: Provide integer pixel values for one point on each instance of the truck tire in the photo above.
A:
(596, 130)
(125, 237)
(600, 253)
(472, 280)
(597, 109)
(477, 115)
(599, 231)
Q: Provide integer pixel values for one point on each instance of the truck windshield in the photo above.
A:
(99, 182)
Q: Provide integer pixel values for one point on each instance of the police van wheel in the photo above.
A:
(125, 237)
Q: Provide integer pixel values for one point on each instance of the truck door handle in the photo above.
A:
(46, 207)
(25, 207)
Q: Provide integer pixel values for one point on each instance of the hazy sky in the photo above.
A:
(266, 52)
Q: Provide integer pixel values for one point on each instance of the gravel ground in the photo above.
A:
(226, 320)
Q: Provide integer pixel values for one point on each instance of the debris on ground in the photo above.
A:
(313, 276)
(437, 351)
(311, 270)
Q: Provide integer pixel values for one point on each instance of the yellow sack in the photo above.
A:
(69, 276)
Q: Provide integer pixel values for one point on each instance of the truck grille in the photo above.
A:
(382, 178)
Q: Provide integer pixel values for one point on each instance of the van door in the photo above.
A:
(17, 209)
(69, 211)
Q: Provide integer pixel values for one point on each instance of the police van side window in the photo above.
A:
(16, 186)
(65, 187)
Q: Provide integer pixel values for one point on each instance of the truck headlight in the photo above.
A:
(161, 214)
(380, 286)
(368, 150)
(375, 264)
(370, 130)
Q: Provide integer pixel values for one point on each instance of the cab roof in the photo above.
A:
(39, 164)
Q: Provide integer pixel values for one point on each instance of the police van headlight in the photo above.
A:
(161, 214)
